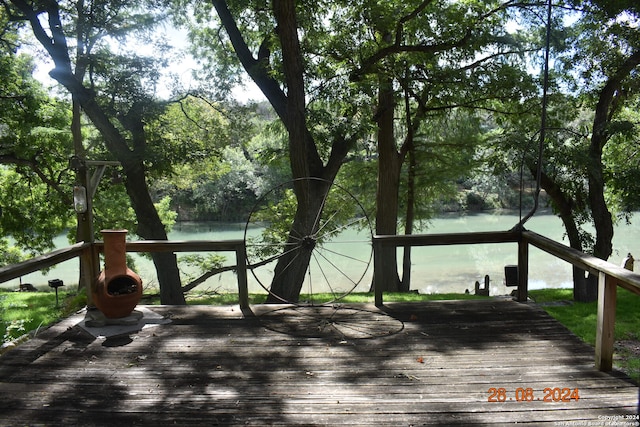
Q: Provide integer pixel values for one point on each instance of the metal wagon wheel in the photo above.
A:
(337, 242)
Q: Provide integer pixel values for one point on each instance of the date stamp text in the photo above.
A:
(522, 394)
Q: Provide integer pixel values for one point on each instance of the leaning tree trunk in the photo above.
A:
(291, 108)
(567, 209)
(303, 155)
(604, 113)
(602, 219)
(150, 227)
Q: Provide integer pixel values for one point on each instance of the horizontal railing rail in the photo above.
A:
(181, 245)
(626, 278)
(447, 239)
(41, 262)
(236, 246)
(380, 242)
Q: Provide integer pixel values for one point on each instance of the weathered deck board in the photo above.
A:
(413, 364)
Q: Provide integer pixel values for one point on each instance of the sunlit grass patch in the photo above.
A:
(22, 312)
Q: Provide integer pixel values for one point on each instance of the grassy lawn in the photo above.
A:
(22, 312)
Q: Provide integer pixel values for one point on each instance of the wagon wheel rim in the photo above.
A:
(337, 244)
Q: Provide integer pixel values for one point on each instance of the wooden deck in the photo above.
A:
(411, 364)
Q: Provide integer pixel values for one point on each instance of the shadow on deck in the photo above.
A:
(436, 363)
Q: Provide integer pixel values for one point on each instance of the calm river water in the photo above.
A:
(434, 269)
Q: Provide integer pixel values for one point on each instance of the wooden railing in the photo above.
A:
(236, 246)
(82, 249)
(41, 262)
(609, 275)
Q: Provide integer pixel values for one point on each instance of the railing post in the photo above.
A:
(91, 267)
(523, 269)
(377, 271)
(605, 329)
(241, 261)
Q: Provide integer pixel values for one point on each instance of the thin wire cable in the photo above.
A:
(543, 126)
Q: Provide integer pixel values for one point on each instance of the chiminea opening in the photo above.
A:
(122, 285)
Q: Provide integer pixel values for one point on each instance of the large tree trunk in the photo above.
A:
(389, 164)
(304, 159)
(601, 216)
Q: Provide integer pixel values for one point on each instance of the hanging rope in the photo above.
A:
(543, 127)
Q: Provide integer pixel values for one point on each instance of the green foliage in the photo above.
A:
(223, 158)
(10, 253)
(276, 218)
(190, 131)
(31, 213)
(230, 193)
(112, 210)
(446, 149)
(167, 215)
(35, 144)
(622, 162)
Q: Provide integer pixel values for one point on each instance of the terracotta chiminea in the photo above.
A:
(118, 289)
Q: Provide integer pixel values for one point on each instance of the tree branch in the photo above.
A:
(33, 165)
(606, 100)
(256, 69)
(205, 276)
